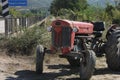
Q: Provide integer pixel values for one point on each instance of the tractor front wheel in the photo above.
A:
(39, 59)
(73, 62)
(87, 65)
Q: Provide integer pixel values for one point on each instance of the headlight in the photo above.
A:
(49, 29)
(75, 29)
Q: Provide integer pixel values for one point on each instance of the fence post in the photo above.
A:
(15, 24)
(6, 27)
(11, 30)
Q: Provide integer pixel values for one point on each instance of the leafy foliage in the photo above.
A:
(74, 5)
(15, 13)
(24, 44)
(0, 10)
(109, 9)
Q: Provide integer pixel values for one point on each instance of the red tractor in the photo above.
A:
(77, 42)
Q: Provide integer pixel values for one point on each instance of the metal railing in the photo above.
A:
(13, 25)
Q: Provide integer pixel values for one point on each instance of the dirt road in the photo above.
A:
(23, 68)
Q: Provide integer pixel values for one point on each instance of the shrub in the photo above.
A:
(24, 44)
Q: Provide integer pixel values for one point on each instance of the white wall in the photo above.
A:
(2, 26)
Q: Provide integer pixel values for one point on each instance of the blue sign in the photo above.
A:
(17, 2)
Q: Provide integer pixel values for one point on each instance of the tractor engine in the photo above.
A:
(66, 34)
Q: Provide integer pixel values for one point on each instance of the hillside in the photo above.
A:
(101, 3)
(39, 3)
(47, 3)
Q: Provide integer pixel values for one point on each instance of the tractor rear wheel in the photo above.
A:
(87, 65)
(39, 59)
(112, 50)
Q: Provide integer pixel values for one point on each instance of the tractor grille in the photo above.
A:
(62, 39)
(53, 38)
(66, 36)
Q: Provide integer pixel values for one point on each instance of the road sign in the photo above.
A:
(17, 2)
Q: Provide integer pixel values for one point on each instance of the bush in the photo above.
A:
(116, 16)
(24, 44)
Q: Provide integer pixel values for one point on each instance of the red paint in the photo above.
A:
(53, 49)
(66, 50)
(83, 28)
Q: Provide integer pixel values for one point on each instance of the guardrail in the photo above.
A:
(15, 25)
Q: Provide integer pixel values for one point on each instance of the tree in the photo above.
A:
(74, 5)
(0, 10)
(14, 12)
(109, 10)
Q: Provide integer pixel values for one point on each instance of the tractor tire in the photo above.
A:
(99, 49)
(112, 50)
(39, 59)
(73, 62)
(87, 66)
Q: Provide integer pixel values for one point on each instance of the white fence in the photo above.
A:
(13, 25)
(2, 26)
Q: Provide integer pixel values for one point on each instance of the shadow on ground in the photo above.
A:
(102, 71)
(65, 70)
